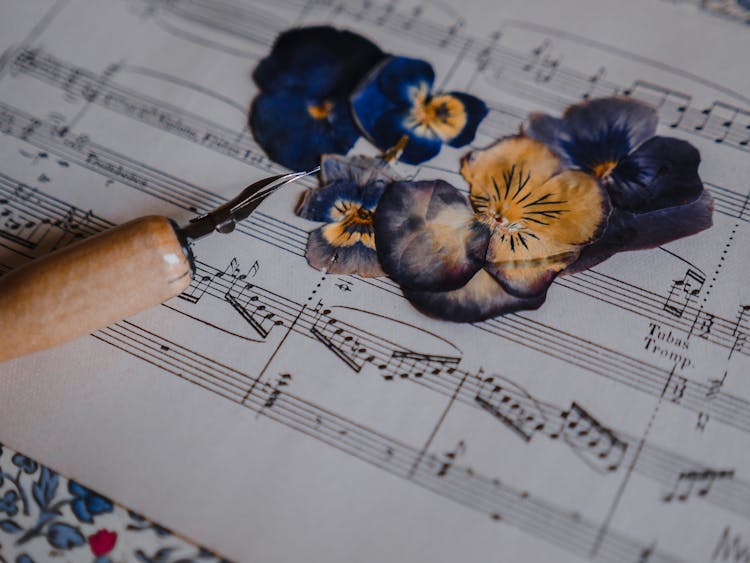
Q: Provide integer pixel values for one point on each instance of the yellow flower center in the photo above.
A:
(320, 111)
(442, 116)
(353, 225)
(604, 169)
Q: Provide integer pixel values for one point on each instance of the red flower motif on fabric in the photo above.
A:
(102, 542)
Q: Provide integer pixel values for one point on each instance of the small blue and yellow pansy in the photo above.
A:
(396, 100)
(346, 201)
(560, 196)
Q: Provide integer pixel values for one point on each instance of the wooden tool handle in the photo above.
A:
(91, 284)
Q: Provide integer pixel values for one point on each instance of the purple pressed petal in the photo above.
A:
(481, 298)
(662, 172)
(398, 77)
(426, 236)
(597, 134)
(637, 231)
(358, 169)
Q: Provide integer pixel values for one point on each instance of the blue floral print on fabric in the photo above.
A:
(86, 503)
(39, 521)
(396, 100)
(302, 110)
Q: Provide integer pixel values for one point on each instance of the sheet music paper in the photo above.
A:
(275, 413)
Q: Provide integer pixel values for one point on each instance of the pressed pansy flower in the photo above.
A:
(396, 100)
(466, 260)
(653, 183)
(346, 202)
(302, 110)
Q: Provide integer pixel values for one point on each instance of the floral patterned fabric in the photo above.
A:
(46, 517)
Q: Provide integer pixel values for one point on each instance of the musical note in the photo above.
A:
(720, 120)
(246, 302)
(409, 22)
(687, 481)
(452, 32)
(283, 380)
(672, 104)
(715, 385)
(413, 364)
(547, 68)
(506, 408)
(594, 80)
(683, 291)
(484, 56)
(536, 55)
(740, 331)
(339, 341)
(450, 458)
(196, 289)
(595, 444)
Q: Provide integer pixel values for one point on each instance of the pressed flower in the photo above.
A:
(396, 100)
(302, 110)
(524, 223)
(345, 202)
(653, 183)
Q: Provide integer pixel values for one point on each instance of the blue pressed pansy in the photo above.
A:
(653, 183)
(86, 503)
(302, 110)
(524, 222)
(346, 201)
(396, 100)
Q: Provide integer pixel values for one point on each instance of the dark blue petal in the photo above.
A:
(81, 511)
(662, 172)
(426, 236)
(10, 526)
(398, 77)
(45, 488)
(476, 110)
(24, 558)
(595, 132)
(8, 503)
(352, 259)
(98, 504)
(283, 127)
(319, 61)
(388, 130)
(317, 204)
(368, 103)
(637, 231)
(26, 463)
(480, 299)
(77, 489)
(64, 536)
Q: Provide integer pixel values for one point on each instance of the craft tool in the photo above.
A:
(113, 275)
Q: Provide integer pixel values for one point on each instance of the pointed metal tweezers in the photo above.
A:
(224, 218)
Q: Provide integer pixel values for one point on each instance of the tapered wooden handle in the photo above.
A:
(91, 284)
